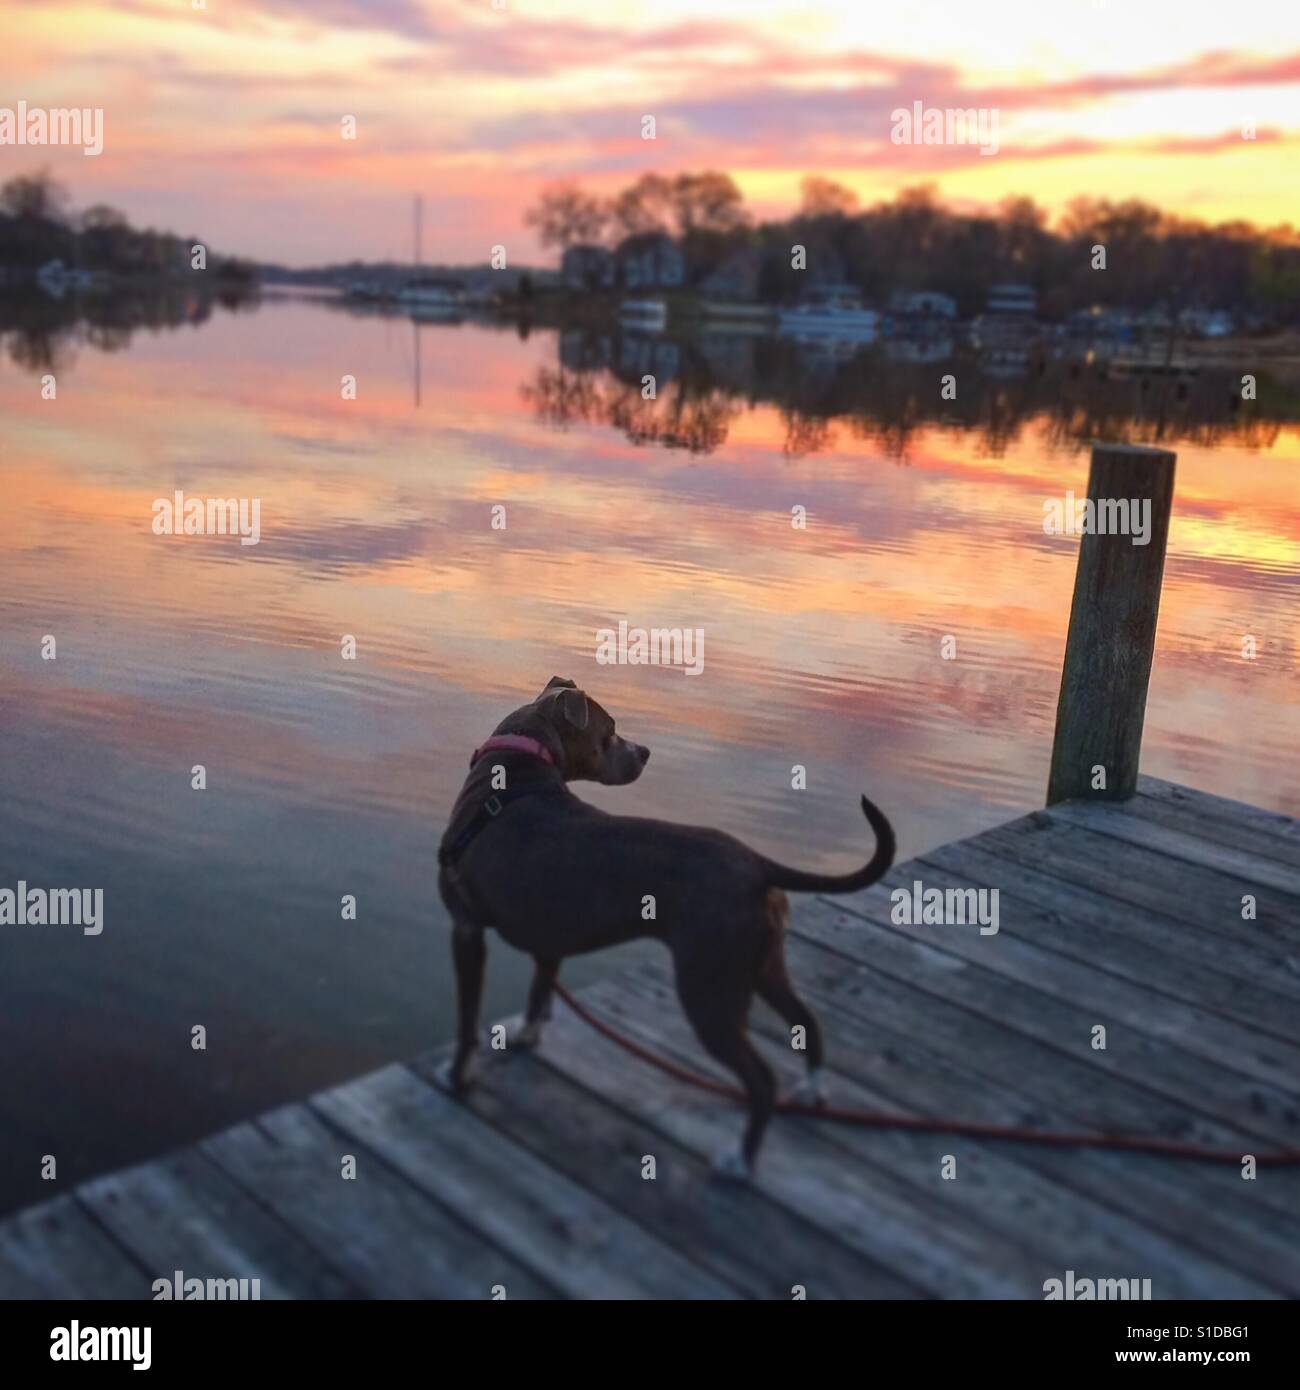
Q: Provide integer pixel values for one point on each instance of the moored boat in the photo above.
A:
(833, 313)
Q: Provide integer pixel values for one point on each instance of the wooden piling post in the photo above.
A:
(1112, 635)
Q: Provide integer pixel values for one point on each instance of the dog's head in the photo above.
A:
(593, 752)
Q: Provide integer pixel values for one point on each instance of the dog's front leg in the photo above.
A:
(469, 955)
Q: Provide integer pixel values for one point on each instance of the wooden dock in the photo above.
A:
(1125, 915)
(1161, 922)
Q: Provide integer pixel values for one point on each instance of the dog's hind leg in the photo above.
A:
(775, 990)
(719, 1023)
(540, 995)
(780, 995)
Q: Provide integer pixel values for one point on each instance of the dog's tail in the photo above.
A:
(779, 876)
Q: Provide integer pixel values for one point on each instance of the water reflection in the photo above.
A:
(41, 332)
(885, 392)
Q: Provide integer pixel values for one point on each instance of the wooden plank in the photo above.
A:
(923, 1048)
(746, 1239)
(1087, 926)
(1247, 867)
(1273, 825)
(1107, 666)
(1236, 1049)
(1249, 1107)
(945, 1252)
(387, 1237)
(1198, 898)
(903, 988)
(1208, 1207)
(56, 1250)
(565, 1235)
(1012, 1199)
(182, 1213)
(1195, 814)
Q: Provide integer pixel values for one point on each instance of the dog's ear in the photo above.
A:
(573, 706)
(558, 682)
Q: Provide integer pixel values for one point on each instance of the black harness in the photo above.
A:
(451, 850)
(449, 853)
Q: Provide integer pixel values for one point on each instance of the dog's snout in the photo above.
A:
(624, 762)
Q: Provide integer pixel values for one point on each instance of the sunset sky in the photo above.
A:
(225, 121)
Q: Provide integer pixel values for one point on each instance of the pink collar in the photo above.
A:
(513, 743)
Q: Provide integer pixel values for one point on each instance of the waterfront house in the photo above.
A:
(650, 260)
(588, 268)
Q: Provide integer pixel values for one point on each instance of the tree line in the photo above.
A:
(1152, 259)
(37, 225)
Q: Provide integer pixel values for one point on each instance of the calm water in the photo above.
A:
(328, 777)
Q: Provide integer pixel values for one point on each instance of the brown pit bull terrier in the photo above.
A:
(557, 877)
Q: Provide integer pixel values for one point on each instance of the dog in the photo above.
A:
(556, 878)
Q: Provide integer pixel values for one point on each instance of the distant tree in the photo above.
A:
(102, 218)
(708, 202)
(1022, 227)
(918, 215)
(107, 238)
(1083, 216)
(823, 197)
(683, 206)
(1273, 283)
(971, 263)
(566, 216)
(1129, 234)
(34, 195)
(645, 206)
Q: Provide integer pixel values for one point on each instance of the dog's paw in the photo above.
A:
(458, 1075)
(528, 1035)
(812, 1090)
(731, 1165)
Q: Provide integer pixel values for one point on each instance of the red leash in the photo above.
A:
(1173, 1148)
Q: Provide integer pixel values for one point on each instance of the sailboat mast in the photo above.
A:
(415, 322)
